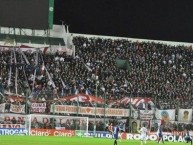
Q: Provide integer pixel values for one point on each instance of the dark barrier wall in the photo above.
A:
(24, 13)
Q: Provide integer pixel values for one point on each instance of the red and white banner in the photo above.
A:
(17, 108)
(61, 49)
(89, 110)
(12, 126)
(2, 108)
(38, 107)
(83, 98)
(89, 98)
(7, 120)
(136, 101)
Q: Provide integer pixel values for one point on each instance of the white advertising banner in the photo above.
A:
(185, 115)
(17, 108)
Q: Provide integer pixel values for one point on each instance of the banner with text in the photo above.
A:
(17, 108)
(52, 132)
(146, 114)
(11, 126)
(152, 136)
(38, 107)
(13, 131)
(185, 115)
(8, 120)
(89, 110)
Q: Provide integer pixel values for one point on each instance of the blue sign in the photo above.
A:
(13, 131)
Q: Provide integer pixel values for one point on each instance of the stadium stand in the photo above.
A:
(125, 68)
(159, 71)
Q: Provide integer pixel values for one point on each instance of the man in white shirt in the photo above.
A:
(143, 136)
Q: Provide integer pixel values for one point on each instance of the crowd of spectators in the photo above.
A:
(160, 71)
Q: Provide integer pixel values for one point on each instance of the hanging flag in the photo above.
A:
(76, 92)
(64, 34)
(16, 71)
(52, 82)
(36, 63)
(45, 49)
(64, 86)
(67, 37)
(88, 92)
(10, 70)
(24, 56)
(88, 68)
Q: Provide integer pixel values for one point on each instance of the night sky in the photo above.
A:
(157, 20)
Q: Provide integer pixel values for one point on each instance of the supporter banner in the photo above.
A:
(52, 132)
(107, 119)
(61, 122)
(17, 108)
(13, 131)
(166, 115)
(146, 114)
(2, 108)
(89, 110)
(6, 117)
(135, 125)
(11, 126)
(7, 120)
(185, 115)
(38, 107)
(11, 115)
(89, 98)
